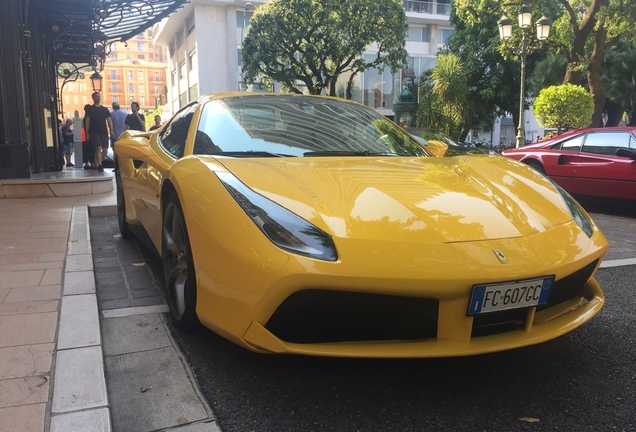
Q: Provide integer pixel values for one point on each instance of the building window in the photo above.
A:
(444, 34)
(140, 75)
(182, 70)
(140, 47)
(130, 75)
(113, 88)
(418, 34)
(172, 51)
(192, 60)
(113, 46)
(243, 19)
(156, 75)
(131, 88)
(193, 92)
(190, 24)
(141, 57)
(183, 99)
(132, 99)
(174, 77)
(116, 99)
(180, 38)
(113, 74)
(142, 88)
(157, 89)
(142, 100)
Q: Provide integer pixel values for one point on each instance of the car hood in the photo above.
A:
(418, 199)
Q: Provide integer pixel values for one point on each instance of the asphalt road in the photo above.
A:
(582, 381)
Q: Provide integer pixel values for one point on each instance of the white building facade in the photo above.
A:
(204, 42)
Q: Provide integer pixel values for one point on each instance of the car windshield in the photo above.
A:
(305, 126)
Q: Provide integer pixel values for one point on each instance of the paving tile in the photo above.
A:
(79, 322)
(78, 247)
(45, 292)
(79, 231)
(79, 263)
(28, 418)
(95, 420)
(25, 258)
(79, 380)
(51, 256)
(29, 329)
(6, 268)
(114, 304)
(61, 227)
(28, 307)
(143, 332)
(168, 400)
(25, 278)
(149, 301)
(25, 360)
(51, 277)
(82, 282)
(24, 391)
(3, 293)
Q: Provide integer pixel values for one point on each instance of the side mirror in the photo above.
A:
(626, 153)
(138, 148)
(438, 148)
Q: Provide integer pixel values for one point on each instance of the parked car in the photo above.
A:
(454, 149)
(598, 162)
(314, 225)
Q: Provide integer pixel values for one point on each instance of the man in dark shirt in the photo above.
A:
(99, 127)
(135, 120)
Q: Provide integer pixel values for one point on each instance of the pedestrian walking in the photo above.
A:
(119, 120)
(67, 135)
(99, 127)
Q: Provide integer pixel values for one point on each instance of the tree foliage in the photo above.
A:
(583, 31)
(564, 106)
(444, 103)
(313, 42)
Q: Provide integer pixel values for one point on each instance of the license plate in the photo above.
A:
(510, 295)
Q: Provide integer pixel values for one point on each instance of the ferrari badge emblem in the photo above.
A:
(501, 256)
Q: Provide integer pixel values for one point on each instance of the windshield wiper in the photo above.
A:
(346, 153)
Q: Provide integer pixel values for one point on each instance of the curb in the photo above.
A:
(80, 399)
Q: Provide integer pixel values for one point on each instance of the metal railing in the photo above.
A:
(427, 7)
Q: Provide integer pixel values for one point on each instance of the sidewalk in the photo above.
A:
(53, 339)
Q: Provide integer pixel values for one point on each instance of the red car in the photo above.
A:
(596, 161)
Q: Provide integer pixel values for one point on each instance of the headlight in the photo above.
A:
(282, 227)
(579, 215)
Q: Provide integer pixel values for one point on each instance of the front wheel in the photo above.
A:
(178, 266)
(124, 228)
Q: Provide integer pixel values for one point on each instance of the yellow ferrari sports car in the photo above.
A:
(314, 225)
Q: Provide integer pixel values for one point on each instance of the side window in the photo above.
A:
(572, 145)
(173, 137)
(606, 143)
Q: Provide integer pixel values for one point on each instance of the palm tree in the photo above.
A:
(444, 103)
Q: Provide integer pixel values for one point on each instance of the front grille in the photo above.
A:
(321, 316)
(563, 290)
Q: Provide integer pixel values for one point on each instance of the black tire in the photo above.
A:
(124, 228)
(536, 166)
(178, 266)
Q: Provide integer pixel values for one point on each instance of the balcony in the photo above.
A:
(428, 7)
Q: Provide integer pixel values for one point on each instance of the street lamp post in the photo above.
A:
(527, 47)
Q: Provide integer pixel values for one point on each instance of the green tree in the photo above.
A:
(564, 106)
(582, 31)
(619, 83)
(444, 102)
(493, 81)
(315, 41)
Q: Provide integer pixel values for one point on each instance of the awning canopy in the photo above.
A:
(78, 31)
